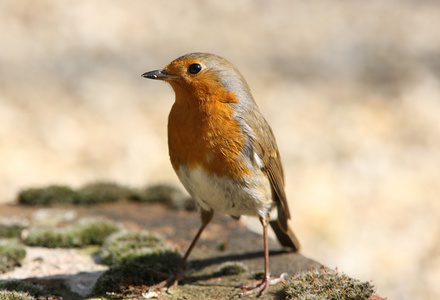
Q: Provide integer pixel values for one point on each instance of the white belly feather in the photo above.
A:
(249, 196)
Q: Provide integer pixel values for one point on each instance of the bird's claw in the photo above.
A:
(168, 283)
(261, 287)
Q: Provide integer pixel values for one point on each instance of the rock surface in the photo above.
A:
(225, 240)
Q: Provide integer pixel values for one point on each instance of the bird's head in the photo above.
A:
(204, 77)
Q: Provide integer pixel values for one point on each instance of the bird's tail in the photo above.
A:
(287, 238)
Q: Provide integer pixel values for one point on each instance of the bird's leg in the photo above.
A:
(262, 287)
(172, 280)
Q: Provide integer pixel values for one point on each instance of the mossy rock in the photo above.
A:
(327, 285)
(87, 232)
(102, 192)
(91, 193)
(11, 230)
(231, 268)
(166, 194)
(18, 286)
(144, 270)
(13, 295)
(94, 232)
(54, 194)
(125, 245)
(11, 255)
(38, 289)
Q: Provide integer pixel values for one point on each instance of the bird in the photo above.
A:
(224, 152)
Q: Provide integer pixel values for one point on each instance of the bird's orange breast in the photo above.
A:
(202, 132)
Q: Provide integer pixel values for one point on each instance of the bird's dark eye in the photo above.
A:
(194, 68)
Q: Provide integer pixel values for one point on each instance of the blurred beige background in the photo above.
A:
(351, 89)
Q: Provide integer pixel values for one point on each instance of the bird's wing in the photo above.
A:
(266, 148)
(264, 144)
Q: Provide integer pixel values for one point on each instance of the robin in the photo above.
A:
(224, 151)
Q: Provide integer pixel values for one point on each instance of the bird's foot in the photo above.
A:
(168, 283)
(261, 287)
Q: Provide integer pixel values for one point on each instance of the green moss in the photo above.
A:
(121, 246)
(164, 193)
(327, 285)
(11, 255)
(22, 286)
(92, 193)
(47, 237)
(140, 270)
(94, 232)
(222, 246)
(83, 234)
(101, 192)
(259, 275)
(232, 268)
(10, 230)
(54, 194)
(12, 295)
(53, 289)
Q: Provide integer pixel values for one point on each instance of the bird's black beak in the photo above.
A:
(159, 75)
